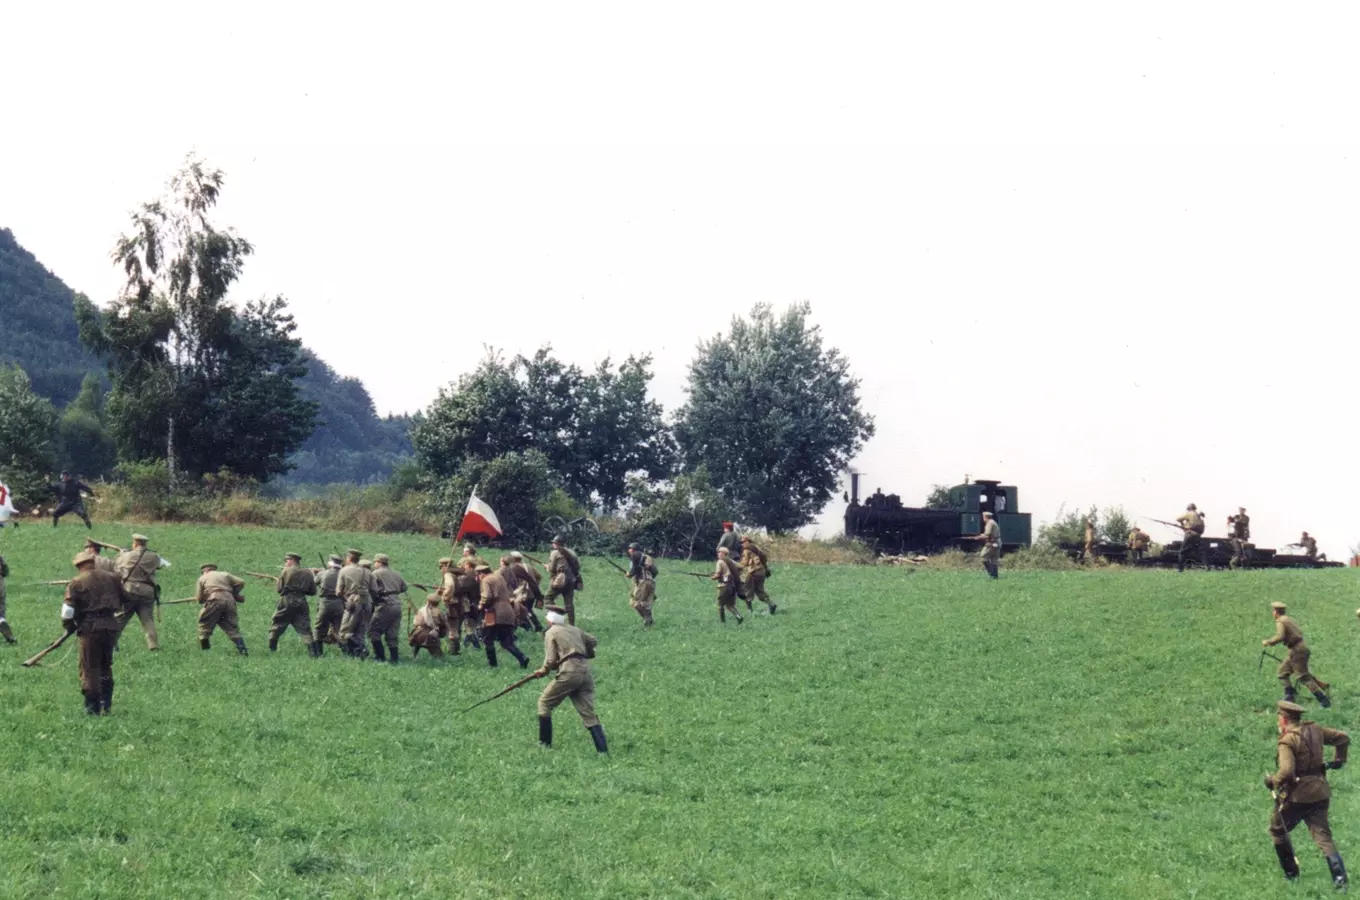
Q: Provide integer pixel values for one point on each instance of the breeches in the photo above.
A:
(386, 622)
(643, 595)
(727, 594)
(1296, 664)
(329, 615)
(578, 684)
(144, 609)
(1314, 815)
(355, 621)
(755, 586)
(218, 614)
(96, 660)
(292, 611)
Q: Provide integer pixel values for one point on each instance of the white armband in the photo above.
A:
(67, 612)
(165, 563)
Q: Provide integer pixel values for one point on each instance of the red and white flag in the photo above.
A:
(7, 510)
(479, 519)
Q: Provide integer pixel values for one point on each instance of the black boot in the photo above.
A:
(1289, 693)
(533, 619)
(597, 735)
(1290, 865)
(204, 643)
(240, 646)
(545, 730)
(1323, 700)
(1338, 871)
(378, 651)
(491, 655)
(106, 697)
(315, 647)
(392, 654)
(273, 643)
(92, 703)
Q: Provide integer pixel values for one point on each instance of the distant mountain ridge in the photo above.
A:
(351, 443)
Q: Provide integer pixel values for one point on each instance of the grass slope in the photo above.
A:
(1049, 735)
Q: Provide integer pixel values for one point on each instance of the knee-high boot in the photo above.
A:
(1338, 869)
(1290, 865)
(597, 735)
(545, 730)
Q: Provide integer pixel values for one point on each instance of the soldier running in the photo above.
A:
(1287, 632)
(755, 569)
(564, 572)
(642, 572)
(728, 577)
(567, 650)
(138, 567)
(1300, 788)
(72, 497)
(498, 617)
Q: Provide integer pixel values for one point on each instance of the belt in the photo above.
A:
(570, 656)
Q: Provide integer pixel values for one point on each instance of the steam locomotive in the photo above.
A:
(889, 527)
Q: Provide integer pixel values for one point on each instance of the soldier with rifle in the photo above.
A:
(294, 585)
(755, 567)
(728, 577)
(4, 624)
(1191, 524)
(1239, 526)
(138, 567)
(100, 561)
(526, 591)
(642, 572)
(388, 586)
(330, 609)
(1309, 545)
(429, 626)
(1287, 632)
(498, 617)
(93, 599)
(567, 650)
(353, 585)
(1300, 790)
(564, 572)
(219, 592)
(991, 548)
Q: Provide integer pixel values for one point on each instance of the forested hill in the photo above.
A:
(38, 325)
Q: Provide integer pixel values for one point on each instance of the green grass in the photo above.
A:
(1081, 734)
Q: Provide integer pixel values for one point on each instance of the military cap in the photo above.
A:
(515, 554)
(1278, 605)
(445, 561)
(722, 551)
(296, 556)
(635, 546)
(1190, 506)
(380, 557)
(140, 538)
(468, 548)
(207, 566)
(354, 552)
(555, 609)
(1290, 709)
(84, 556)
(483, 568)
(746, 539)
(366, 563)
(336, 560)
(558, 539)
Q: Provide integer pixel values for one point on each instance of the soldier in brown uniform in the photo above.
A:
(429, 626)
(330, 610)
(296, 583)
(1089, 542)
(728, 577)
(527, 590)
(101, 562)
(1192, 527)
(353, 586)
(1240, 526)
(755, 567)
(1301, 791)
(1287, 632)
(1138, 543)
(4, 625)
(1309, 545)
(498, 617)
(453, 606)
(564, 572)
(138, 567)
(642, 572)
(93, 599)
(219, 592)
(991, 544)
(388, 586)
(567, 651)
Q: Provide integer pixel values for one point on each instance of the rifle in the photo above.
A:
(107, 546)
(697, 574)
(35, 659)
(421, 587)
(534, 560)
(262, 575)
(523, 681)
(41, 583)
(1264, 654)
(621, 569)
(1166, 523)
(185, 600)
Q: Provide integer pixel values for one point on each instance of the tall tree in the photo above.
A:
(773, 415)
(84, 441)
(196, 382)
(28, 436)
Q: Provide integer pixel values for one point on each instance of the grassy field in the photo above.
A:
(1083, 734)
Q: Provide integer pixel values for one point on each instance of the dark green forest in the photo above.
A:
(38, 325)
(351, 442)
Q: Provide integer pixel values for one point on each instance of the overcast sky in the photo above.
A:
(1105, 253)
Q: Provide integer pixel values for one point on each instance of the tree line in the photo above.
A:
(770, 419)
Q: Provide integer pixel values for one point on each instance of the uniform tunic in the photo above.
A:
(331, 608)
(727, 575)
(755, 569)
(354, 587)
(219, 592)
(96, 597)
(430, 624)
(643, 595)
(564, 572)
(388, 586)
(1295, 663)
(1300, 784)
(566, 650)
(138, 571)
(294, 586)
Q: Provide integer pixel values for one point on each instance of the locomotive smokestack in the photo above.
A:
(854, 487)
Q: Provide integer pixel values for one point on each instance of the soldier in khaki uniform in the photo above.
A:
(4, 625)
(101, 562)
(330, 609)
(453, 610)
(564, 573)
(1287, 632)
(728, 577)
(1240, 529)
(498, 617)
(429, 626)
(526, 590)
(296, 583)
(353, 586)
(755, 567)
(388, 586)
(1192, 527)
(1309, 545)
(1139, 541)
(991, 545)
(93, 600)
(219, 592)
(1089, 543)
(1300, 788)
(138, 567)
(567, 651)
(642, 572)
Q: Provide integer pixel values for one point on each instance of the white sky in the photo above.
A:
(1105, 254)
